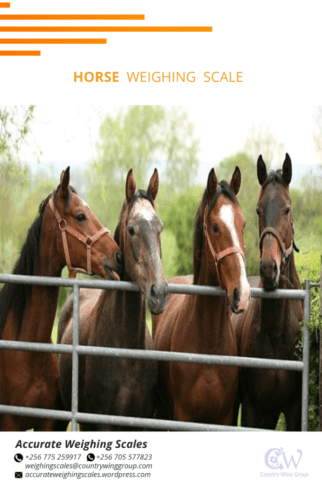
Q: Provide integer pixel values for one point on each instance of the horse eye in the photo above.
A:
(215, 228)
(131, 231)
(287, 211)
(81, 217)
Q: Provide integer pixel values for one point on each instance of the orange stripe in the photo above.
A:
(4, 5)
(52, 41)
(49, 17)
(126, 29)
(19, 53)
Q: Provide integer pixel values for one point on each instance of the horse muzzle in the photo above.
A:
(269, 273)
(158, 298)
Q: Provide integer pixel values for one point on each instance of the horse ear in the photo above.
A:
(212, 184)
(154, 185)
(261, 170)
(236, 180)
(287, 169)
(130, 186)
(64, 182)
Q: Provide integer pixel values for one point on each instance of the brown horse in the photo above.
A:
(124, 387)
(270, 327)
(28, 311)
(202, 324)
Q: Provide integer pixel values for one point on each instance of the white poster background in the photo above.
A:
(276, 46)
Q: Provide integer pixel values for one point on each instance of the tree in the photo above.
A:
(262, 141)
(317, 136)
(15, 124)
(179, 217)
(141, 138)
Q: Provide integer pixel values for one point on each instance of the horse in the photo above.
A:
(270, 328)
(124, 387)
(202, 324)
(65, 232)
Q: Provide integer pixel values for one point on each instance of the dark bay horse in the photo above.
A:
(270, 328)
(65, 232)
(115, 386)
(202, 324)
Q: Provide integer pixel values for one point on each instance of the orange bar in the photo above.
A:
(111, 29)
(4, 5)
(62, 17)
(19, 53)
(52, 41)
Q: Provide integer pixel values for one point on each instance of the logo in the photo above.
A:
(275, 458)
(280, 463)
(90, 457)
(18, 458)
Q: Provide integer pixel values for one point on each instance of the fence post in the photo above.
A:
(75, 356)
(306, 357)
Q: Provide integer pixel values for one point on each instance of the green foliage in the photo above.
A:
(179, 217)
(140, 138)
(307, 213)
(14, 126)
(308, 267)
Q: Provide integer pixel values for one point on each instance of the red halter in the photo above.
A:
(88, 241)
(219, 256)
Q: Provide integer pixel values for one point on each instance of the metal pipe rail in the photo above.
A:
(75, 349)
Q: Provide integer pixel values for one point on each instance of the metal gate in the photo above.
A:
(75, 349)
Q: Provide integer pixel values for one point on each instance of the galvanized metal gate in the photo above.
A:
(75, 350)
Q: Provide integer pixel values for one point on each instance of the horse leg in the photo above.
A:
(45, 425)
(236, 412)
(249, 417)
(59, 424)
(9, 422)
(269, 421)
(180, 414)
(293, 416)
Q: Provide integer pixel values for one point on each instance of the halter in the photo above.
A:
(286, 252)
(88, 241)
(224, 253)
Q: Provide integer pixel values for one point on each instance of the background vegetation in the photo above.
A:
(144, 137)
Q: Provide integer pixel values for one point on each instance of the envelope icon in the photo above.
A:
(18, 474)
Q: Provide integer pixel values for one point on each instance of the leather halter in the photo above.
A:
(224, 253)
(88, 241)
(286, 252)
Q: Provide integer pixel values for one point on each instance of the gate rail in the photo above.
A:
(75, 350)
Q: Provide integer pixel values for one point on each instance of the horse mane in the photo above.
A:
(224, 188)
(274, 177)
(17, 296)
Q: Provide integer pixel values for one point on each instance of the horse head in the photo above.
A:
(223, 229)
(275, 220)
(138, 234)
(77, 235)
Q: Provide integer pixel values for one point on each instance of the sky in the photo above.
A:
(67, 135)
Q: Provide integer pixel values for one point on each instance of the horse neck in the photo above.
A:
(276, 313)
(121, 319)
(291, 273)
(212, 312)
(40, 312)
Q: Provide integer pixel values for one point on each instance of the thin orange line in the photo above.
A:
(52, 41)
(133, 29)
(19, 53)
(111, 17)
(4, 5)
